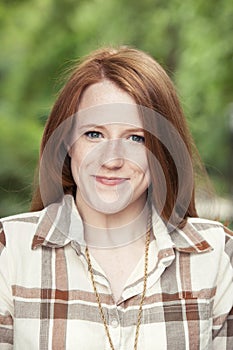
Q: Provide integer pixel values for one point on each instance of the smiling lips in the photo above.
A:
(110, 181)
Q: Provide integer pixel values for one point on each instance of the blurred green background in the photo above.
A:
(39, 39)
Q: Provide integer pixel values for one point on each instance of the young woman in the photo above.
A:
(113, 254)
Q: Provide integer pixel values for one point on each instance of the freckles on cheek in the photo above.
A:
(82, 159)
(76, 160)
(139, 157)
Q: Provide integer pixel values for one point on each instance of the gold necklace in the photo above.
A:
(143, 293)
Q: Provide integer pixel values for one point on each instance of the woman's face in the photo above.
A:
(108, 155)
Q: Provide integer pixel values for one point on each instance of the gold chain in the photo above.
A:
(143, 293)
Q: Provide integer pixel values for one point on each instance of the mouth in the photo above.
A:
(111, 181)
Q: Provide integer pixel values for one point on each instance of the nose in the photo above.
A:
(113, 154)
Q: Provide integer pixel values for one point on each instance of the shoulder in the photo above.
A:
(203, 224)
(205, 227)
(215, 233)
(21, 219)
(18, 227)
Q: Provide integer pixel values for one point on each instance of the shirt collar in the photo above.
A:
(186, 240)
(60, 223)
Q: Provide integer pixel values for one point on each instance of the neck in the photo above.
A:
(114, 230)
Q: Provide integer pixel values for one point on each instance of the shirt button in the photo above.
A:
(114, 323)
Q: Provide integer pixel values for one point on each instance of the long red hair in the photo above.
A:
(146, 81)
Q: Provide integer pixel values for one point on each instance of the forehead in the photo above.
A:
(104, 92)
(105, 103)
(118, 113)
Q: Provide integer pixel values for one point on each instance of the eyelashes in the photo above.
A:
(93, 135)
(137, 138)
(96, 135)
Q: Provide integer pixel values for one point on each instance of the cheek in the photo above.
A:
(77, 155)
(84, 160)
(142, 174)
(79, 152)
(146, 172)
(138, 156)
(142, 165)
(146, 177)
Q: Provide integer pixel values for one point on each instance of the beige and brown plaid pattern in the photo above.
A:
(47, 301)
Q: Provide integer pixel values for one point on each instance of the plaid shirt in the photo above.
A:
(47, 299)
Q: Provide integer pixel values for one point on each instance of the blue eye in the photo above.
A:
(137, 138)
(93, 134)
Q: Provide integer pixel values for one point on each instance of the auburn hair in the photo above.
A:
(138, 74)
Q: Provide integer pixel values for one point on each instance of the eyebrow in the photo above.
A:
(136, 130)
(89, 126)
(102, 126)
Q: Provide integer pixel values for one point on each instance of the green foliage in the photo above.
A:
(39, 38)
(20, 142)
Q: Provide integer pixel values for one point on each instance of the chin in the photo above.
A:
(108, 205)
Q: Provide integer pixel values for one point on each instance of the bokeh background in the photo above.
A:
(40, 39)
